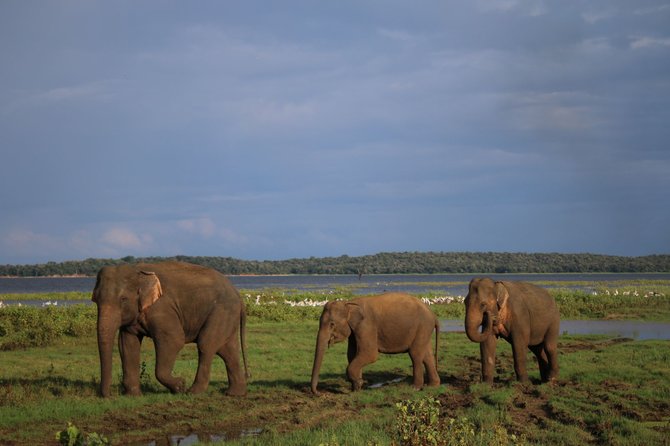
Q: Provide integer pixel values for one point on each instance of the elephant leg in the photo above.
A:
(129, 348)
(230, 353)
(364, 357)
(209, 342)
(542, 361)
(417, 368)
(551, 351)
(519, 353)
(431, 368)
(487, 351)
(205, 356)
(352, 349)
(166, 354)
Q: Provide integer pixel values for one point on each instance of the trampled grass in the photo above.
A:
(609, 391)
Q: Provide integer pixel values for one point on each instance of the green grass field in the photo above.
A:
(610, 391)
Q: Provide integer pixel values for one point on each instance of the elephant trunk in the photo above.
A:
(321, 345)
(473, 323)
(107, 327)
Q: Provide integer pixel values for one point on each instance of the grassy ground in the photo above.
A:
(610, 391)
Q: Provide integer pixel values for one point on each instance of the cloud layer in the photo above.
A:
(326, 129)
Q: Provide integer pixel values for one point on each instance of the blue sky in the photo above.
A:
(272, 130)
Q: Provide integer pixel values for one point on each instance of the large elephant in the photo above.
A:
(174, 303)
(523, 314)
(388, 323)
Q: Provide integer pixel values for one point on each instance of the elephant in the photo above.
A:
(387, 323)
(523, 314)
(173, 303)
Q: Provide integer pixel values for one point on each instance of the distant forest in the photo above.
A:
(382, 263)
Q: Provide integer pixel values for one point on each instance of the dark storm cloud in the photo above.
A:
(301, 129)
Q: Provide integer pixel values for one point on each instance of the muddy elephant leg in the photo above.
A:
(542, 361)
(364, 357)
(519, 353)
(166, 354)
(487, 351)
(129, 348)
(230, 353)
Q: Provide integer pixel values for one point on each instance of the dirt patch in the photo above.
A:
(575, 346)
(221, 417)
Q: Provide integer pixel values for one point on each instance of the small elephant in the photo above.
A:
(523, 314)
(174, 303)
(388, 323)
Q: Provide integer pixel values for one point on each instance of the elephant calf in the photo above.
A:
(389, 323)
(523, 314)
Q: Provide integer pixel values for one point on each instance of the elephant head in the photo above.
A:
(123, 294)
(336, 324)
(485, 305)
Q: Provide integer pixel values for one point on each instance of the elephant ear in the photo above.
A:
(502, 297)
(150, 290)
(354, 314)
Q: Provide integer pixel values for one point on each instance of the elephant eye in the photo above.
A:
(482, 305)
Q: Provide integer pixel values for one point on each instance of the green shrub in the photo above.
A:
(24, 327)
(642, 303)
(72, 436)
(419, 423)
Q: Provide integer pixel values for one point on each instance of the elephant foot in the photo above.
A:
(236, 391)
(133, 391)
(179, 386)
(552, 381)
(194, 390)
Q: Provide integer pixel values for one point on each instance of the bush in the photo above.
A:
(24, 327)
(72, 436)
(418, 423)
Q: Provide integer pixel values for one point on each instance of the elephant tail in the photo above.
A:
(243, 340)
(437, 339)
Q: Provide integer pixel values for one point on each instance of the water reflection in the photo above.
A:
(639, 330)
(191, 439)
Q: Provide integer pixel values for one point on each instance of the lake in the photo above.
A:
(639, 330)
(452, 284)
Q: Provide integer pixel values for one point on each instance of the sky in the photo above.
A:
(276, 130)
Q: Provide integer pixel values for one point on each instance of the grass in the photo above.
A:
(609, 391)
(52, 297)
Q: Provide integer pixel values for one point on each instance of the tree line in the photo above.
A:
(382, 263)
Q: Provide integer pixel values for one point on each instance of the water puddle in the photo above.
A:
(638, 330)
(193, 439)
(385, 383)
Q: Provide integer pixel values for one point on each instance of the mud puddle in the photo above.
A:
(193, 439)
(386, 383)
